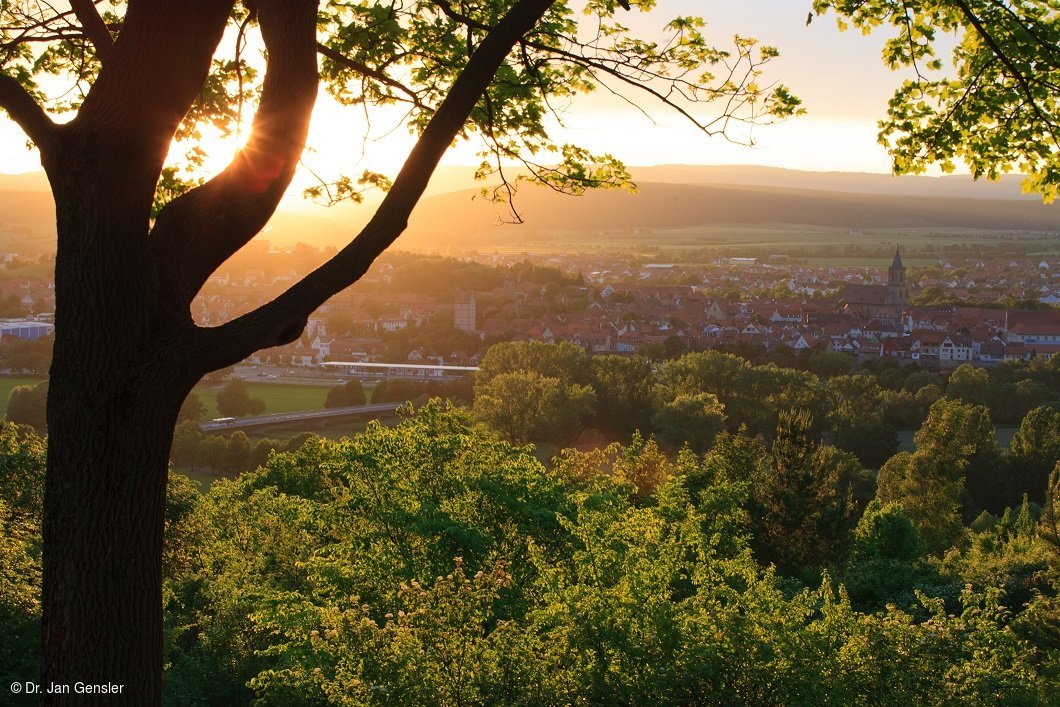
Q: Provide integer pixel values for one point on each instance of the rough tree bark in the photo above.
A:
(127, 351)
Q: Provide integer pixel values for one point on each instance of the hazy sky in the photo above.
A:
(838, 75)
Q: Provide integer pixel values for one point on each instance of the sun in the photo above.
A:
(343, 140)
(15, 156)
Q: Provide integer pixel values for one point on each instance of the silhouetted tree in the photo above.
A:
(624, 387)
(1035, 450)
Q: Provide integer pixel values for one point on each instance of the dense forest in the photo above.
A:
(755, 537)
(557, 395)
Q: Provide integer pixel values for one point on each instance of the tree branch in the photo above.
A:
(1013, 70)
(198, 231)
(365, 70)
(283, 319)
(94, 26)
(154, 73)
(639, 76)
(26, 112)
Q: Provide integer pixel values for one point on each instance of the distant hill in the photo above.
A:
(30, 181)
(26, 207)
(461, 220)
(671, 196)
(286, 229)
(954, 185)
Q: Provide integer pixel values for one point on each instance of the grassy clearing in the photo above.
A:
(278, 397)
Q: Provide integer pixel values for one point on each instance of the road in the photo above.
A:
(297, 375)
(243, 423)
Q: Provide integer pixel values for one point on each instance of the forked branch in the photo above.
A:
(154, 73)
(199, 230)
(283, 319)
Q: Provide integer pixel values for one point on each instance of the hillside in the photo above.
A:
(954, 185)
(670, 197)
(459, 219)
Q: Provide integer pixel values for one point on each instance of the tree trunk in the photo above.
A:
(116, 386)
(106, 489)
(126, 351)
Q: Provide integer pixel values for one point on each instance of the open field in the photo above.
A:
(694, 216)
(278, 397)
(816, 245)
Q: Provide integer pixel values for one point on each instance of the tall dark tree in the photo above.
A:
(856, 419)
(803, 503)
(236, 457)
(624, 389)
(694, 420)
(136, 241)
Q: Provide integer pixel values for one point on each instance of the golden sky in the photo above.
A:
(838, 75)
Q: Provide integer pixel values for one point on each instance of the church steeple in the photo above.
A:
(896, 273)
(896, 264)
(899, 292)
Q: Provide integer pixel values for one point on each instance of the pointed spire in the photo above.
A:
(897, 263)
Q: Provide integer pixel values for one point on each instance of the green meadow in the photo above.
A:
(278, 397)
(817, 245)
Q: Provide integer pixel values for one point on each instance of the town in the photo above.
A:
(991, 310)
(980, 309)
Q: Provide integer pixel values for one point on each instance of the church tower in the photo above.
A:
(898, 290)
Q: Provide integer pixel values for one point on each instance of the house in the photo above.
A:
(928, 344)
(1034, 333)
(1016, 352)
(955, 349)
(322, 347)
(992, 351)
(392, 324)
(715, 312)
